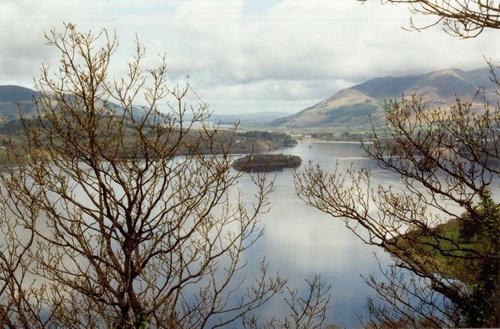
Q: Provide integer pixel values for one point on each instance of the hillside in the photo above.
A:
(352, 108)
(13, 97)
(348, 110)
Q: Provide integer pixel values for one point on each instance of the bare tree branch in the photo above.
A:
(462, 18)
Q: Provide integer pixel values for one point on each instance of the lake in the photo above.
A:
(300, 241)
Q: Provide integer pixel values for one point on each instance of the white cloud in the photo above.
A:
(287, 52)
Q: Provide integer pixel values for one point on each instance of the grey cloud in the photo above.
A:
(294, 51)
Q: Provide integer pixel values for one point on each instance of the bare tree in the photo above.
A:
(307, 308)
(443, 225)
(115, 215)
(463, 18)
(447, 161)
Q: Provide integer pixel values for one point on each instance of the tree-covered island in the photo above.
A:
(266, 162)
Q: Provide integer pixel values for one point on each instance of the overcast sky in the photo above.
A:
(245, 55)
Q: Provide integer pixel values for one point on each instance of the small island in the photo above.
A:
(266, 162)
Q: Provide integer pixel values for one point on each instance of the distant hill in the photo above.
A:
(13, 97)
(352, 108)
(256, 119)
(349, 109)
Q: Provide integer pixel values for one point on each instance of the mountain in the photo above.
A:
(352, 108)
(349, 109)
(348, 106)
(12, 98)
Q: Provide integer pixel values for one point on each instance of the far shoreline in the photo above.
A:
(321, 141)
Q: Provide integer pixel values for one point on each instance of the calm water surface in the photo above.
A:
(300, 241)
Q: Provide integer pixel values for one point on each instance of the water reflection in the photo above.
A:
(300, 240)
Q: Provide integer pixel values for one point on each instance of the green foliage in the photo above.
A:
(143, 321)
(485, 292)
(467, 250)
